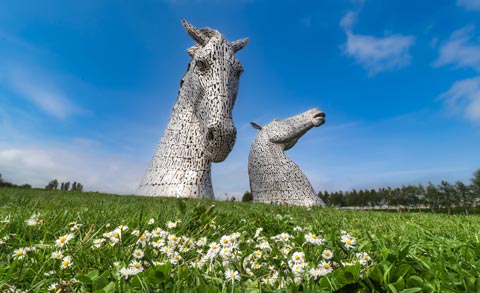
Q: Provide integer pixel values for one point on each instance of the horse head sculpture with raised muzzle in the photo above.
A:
(274, 178)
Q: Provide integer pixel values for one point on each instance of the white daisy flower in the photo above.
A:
(232, 275)
(136, 265)
(314, 239)
(66, 262)
(52, 287)
(257, 232)
(19, 253)
(151, 221)
(57, 255)
(325, 268)
(63, 240)
(298, 256)
(138, 253)
(128, 272)
(327, 254)
(348, 241)
(202, 241)
(264, 245)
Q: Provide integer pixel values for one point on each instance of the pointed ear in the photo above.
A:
(256, 126)
(191, 51)
(239, 44)
(195, 33)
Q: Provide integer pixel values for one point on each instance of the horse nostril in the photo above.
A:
(210, 135)
(321, 114)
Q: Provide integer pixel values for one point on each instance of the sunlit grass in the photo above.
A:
(89, 241)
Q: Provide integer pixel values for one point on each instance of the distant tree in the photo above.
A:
(74, 186)
(67, 186)
(247, 196)
(475, 185)
(432, 196)
(447, 194)
(52, 185)
(26, 186)
(79, 187)
(464, 194)
(62, 186)
(1, 179)
(325, 197)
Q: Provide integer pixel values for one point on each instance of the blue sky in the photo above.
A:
(87, 87)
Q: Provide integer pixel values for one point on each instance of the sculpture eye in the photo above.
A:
(202, 65)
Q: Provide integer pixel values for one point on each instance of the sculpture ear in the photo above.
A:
(256, 126)
(195, 33)
(239, 44)
(191, 51)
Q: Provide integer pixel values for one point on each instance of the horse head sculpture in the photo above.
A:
(213, 85)
(274, 178)
(201, 128)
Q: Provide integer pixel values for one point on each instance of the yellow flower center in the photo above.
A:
(63, 239)
(137, 265)
(19, 253)
(66, 263)
(326, 266)
(116, 235)
(349, 242)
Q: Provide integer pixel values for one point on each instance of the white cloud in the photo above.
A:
(97, 172)
(464, 96)
(43, 92)
(469, 4)
(460, 50)
(376, 54)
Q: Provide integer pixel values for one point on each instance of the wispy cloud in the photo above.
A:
(43, 92)
(464, 96)
(469, 4)
(376, 54)
(460, 50)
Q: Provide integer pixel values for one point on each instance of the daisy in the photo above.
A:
(98, 242)
(327, 254)
(57, 255)
(314, 239)
(202, 241)
(171, 225)
(257, 232)
(52, 287)
(362, 258)
(315, 273)
(298, 257)
(151, 221)
(136, 265)
(127, 272)
(232, 275)
(348, 241)
(138, 253)
(116, 235)
(63, 240)
(325, 268)
(66, 262)
(225, 240)
(19, 253)
(264, 245)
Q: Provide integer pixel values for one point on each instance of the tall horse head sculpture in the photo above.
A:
(201, 128)
(274, 178)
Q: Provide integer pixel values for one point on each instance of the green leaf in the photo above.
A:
(411, 290)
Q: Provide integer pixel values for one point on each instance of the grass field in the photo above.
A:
(83, 242)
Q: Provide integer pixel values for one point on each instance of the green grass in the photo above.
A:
(410, 252)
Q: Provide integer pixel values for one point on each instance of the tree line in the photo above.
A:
(443, 196)
(52, 185)
(6, 184)
(64, 186)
